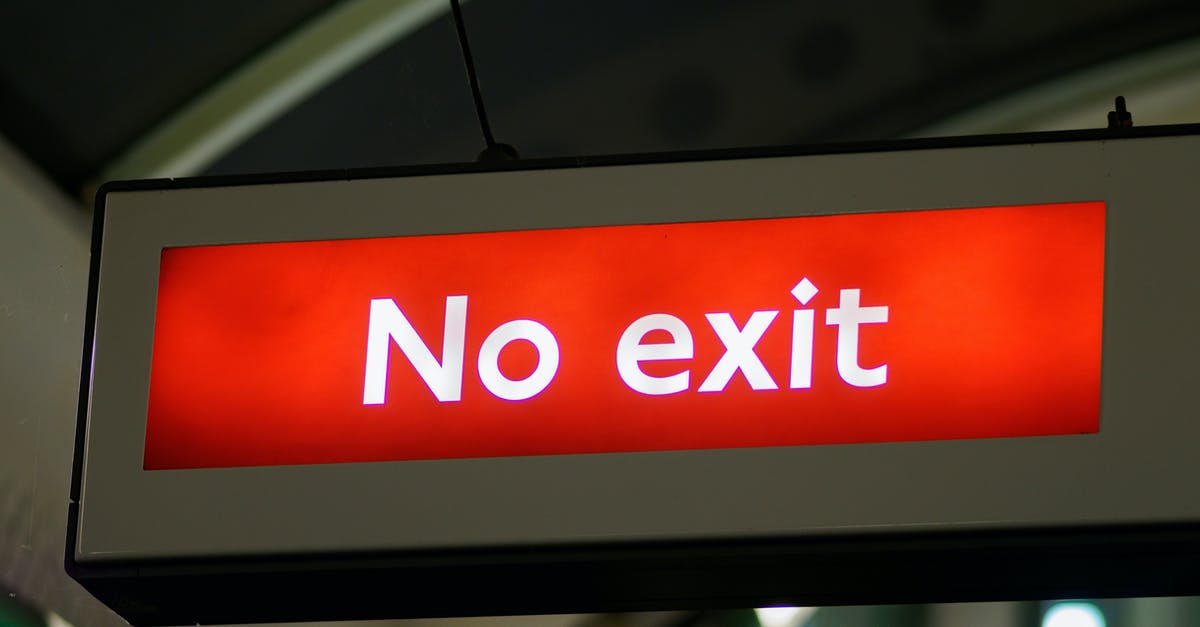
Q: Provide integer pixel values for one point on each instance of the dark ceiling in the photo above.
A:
(80, 81)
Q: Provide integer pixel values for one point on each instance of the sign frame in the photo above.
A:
(894, 565)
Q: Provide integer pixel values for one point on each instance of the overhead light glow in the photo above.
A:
(1074, 615)
(783, 616)
(54, 620)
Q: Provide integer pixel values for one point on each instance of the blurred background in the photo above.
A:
(91, 92)
(135, 89)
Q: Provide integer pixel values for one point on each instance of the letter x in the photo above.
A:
(739, 351)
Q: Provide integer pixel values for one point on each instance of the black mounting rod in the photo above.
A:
(1121, 117)
(493, 151)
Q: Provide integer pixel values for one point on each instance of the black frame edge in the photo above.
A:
(1034, 564)
(892, 145)
(85, 379)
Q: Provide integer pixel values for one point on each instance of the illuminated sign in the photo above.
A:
(917, 325)
(603, 386)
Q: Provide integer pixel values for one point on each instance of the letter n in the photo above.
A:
(387, 323)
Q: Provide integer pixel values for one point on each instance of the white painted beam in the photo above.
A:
(1160, 85)
(270, 85)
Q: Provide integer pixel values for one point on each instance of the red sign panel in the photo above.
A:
(924, 325)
